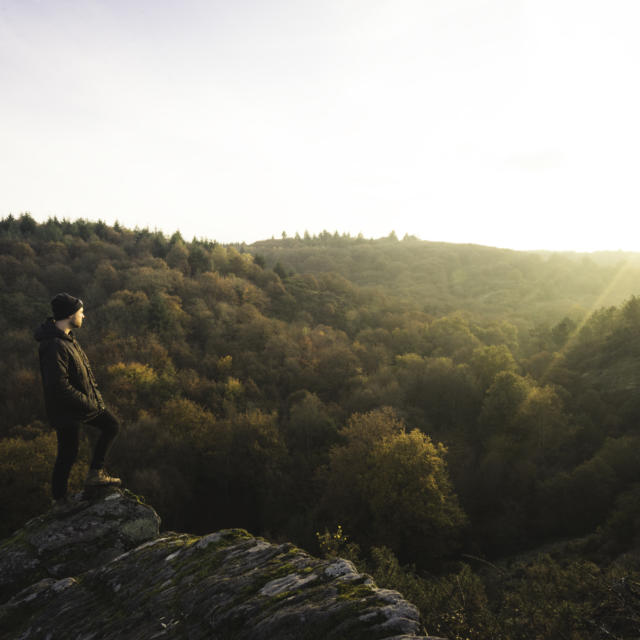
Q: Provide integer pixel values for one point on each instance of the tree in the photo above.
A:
(199, 259)
(310, 430)
(488, 362)
(27, 224)
(502, 402)
(445, 393)
(178, 257)
(389, 486)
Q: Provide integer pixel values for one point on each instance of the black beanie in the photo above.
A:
(64, 305)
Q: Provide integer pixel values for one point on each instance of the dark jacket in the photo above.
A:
(70, 390)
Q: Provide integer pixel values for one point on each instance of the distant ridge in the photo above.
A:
(438, 277)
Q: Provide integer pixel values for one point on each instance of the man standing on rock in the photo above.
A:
(71, 396)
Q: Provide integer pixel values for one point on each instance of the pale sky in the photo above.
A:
(511, 123)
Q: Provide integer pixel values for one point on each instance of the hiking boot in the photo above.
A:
(99, 477)
(61, 504)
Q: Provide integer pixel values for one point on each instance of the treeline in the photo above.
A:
(441, 278)
(257, 392)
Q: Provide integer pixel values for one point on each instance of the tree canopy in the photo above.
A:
(434, 400)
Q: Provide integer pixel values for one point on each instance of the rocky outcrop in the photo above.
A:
(101, 570)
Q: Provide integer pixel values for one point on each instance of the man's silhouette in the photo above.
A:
(71, 395)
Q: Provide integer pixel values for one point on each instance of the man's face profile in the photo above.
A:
(76, 319)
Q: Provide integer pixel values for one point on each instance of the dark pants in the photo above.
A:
(68, 441)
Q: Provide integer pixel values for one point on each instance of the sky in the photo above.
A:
(509, 123)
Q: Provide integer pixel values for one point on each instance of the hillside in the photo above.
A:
(440, 278)
(334, 393)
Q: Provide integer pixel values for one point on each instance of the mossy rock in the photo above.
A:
(103, 569)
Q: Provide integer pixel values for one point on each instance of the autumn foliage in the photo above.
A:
(447, 407)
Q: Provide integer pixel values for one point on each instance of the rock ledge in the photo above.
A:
(101, 569)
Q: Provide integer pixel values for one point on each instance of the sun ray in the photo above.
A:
(558, 356)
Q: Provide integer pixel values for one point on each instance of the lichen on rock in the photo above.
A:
(103, 568)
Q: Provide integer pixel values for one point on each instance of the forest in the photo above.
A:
(460, 421)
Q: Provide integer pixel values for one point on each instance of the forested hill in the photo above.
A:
(407, 403)
(440, 278)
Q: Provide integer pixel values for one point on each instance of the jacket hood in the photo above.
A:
(48, 330)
